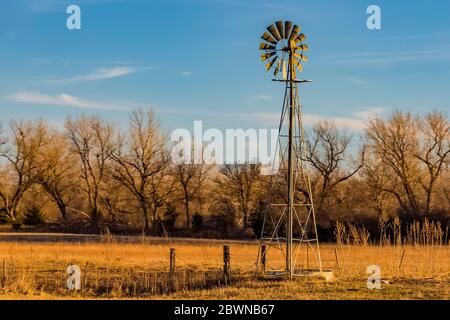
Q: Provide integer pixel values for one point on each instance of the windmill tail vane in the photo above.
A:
(289, 238)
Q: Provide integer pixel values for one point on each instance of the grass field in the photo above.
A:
(37, 270)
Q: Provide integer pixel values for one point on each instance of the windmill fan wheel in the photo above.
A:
(283, 44)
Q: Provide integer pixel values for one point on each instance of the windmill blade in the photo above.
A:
(274, 32)
(277, 69)
(266, 46)
(287, 29)
(298, 55)
(295, 30)
(280, 28)
(267, 55)
(271, 63)
(301, 37)
(267, 37)
(293, 44)
(301, 57)
(303, 47)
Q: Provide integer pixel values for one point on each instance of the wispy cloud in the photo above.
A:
(355, 122)
(99, 74)
(390, 57)
(263, 97)
(186, 73)
(63, 99)
(121, 62)
(278, 7)
(370, 113)
(225, 2)
(355, 81)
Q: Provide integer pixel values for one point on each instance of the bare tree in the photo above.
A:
(241, 182)
(434, 152)
(395, 143)
(20, 153)
(162, 185)
(141, 163)
(376, 178)
(190, 178)
(92, 140)
(56, 170)
(329, 152)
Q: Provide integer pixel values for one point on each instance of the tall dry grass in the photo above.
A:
(141, 270)
(426, 233)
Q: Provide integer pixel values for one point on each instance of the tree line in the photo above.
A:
(91, 177)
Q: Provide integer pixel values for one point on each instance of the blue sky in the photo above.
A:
(199, 60)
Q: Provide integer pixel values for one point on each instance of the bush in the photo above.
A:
(197, 222)
(3, 216)
(256, 218)
(223, 219)
(170, 218)
(16, 224)
(34, 217)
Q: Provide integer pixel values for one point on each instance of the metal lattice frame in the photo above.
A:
(291, 194)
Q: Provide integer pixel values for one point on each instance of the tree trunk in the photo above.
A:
(245, 217)
(96, 218)
(61, 206)
(188, 213)
(145, 215)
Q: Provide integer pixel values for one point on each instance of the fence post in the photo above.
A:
(172, 262)
(4, 273)
(226, 263)
(172, 269)
(263, 258)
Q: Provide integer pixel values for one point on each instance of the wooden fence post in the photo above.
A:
(172, 262)
(263, 258)
(226, 263)
(172, 269)
(4, 273)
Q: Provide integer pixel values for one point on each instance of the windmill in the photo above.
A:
(289, 225)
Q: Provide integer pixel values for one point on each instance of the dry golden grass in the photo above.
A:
(112, 270)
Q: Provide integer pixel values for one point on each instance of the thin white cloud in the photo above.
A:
(356, 122)
(278, 7)
(355, 81)
(99, 74)
(351, 123)
(390, 57)
(263, 97)
(62, 99)
(186, 73)
(370, 113)
(120, 62)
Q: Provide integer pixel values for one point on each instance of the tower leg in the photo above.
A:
(291, 168)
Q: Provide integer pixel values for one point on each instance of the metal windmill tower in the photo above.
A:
(290, 223)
